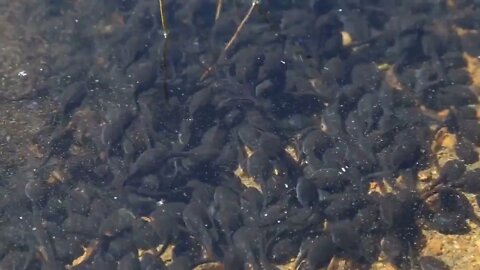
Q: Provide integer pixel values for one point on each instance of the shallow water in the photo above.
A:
(281, 134)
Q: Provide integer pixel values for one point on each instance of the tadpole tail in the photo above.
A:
(126, 181)
(44, 246)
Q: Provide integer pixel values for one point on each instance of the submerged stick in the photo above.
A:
(162, 18)
(165, 50)
(240, 26)
(232, 39)
(219, 9)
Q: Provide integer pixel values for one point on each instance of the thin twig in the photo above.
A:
(232, 39)
(240, 26)
(162, 18)
(219, 9)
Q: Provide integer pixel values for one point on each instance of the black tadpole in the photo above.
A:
(149, 161)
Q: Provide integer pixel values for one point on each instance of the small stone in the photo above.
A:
(434, 247)
(346, 39)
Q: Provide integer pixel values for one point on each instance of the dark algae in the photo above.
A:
(211, 134)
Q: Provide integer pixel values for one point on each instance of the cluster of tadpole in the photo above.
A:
(147, 150)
